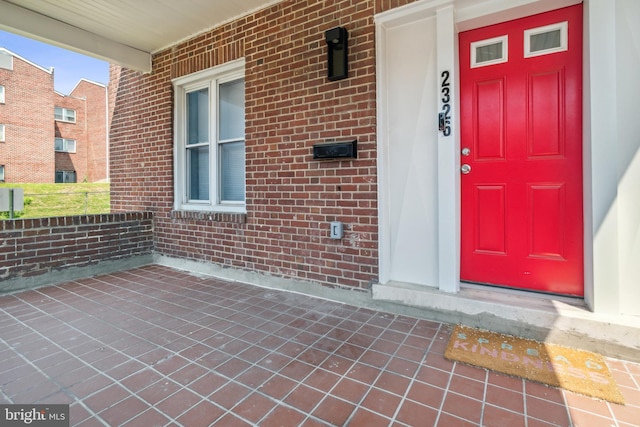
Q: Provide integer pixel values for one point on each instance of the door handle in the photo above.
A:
(465, 169)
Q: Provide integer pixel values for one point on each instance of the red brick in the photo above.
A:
(290, 105)
(28, 153)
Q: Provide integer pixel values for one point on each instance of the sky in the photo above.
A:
(69, 67)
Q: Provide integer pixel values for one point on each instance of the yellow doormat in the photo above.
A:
(575, 370)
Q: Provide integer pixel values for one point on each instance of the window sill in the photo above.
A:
(229, 217)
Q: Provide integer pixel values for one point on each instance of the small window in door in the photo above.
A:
(489, 51)
(544, 40)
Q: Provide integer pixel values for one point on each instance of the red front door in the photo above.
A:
(521, 141)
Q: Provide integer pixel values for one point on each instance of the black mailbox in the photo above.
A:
(335, 150)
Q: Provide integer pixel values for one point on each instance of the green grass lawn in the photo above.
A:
(48, 200)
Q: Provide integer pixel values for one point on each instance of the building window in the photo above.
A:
(65, 114)
(489, 52)
(1, 173)
(1, 133)
(65, 145)
(209, 138)
(6, 60)
(1, 94)
(65, 176)
(548, 39)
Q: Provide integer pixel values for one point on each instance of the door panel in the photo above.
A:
(547, 221)
(490, 120)
(545, 114)
(491, 225)
(521, 118)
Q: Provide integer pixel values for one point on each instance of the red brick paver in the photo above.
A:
(156, 346)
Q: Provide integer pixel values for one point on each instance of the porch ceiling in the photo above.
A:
(125, 32)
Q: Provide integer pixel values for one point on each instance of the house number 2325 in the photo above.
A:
(444, 118)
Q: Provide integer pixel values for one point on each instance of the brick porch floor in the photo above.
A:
(155, 346)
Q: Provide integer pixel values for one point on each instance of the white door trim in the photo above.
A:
(602, 284)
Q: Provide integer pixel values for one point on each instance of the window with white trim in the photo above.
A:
(64, 114)
(1, 133)
(65, 145)
(548, 39)
(1, 173)
(6, 60)
(209, 140)
(490, 51)
(1, 94)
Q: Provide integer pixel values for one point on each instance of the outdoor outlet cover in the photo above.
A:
(336, 230)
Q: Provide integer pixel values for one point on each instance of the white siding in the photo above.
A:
(409, 153)
(627, 96)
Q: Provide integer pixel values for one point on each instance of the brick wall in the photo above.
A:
(72, 161)
(38, 247)
(28, 152)
(290, 105)
(27, 114)
(95, 138)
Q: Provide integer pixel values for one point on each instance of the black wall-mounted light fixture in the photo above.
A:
(336, 39)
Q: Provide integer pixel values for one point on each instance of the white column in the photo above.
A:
(448, 148)
(600, 158)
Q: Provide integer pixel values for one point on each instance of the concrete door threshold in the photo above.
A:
(549, 318)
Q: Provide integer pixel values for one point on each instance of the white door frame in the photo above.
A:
(602, 291)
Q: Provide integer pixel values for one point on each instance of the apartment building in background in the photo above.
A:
(46, 136)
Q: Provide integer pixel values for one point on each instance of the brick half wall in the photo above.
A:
(42, 251)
